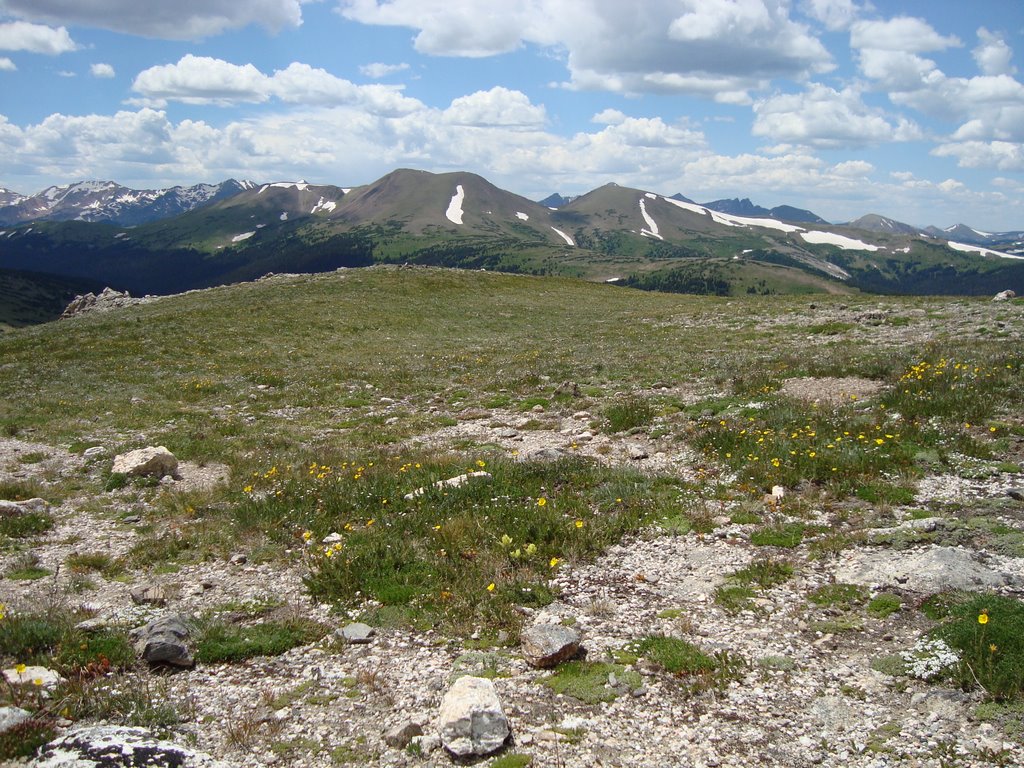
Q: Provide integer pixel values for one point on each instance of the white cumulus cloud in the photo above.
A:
(6, 65)
(179, 20)
(719, 49)
(825, 118)
(377, 70)
(35, 38)
(993, 55)
(902, 33)
(101, 70)
(497, 106)
(204, 80)
(834, 14)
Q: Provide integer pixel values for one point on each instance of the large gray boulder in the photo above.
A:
(154, 461)
(471, 720)
(114, 746)
(164, 641)
(547, 645)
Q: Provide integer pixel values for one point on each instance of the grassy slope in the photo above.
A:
(315, 342)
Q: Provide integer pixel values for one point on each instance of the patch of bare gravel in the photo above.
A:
(831, 391)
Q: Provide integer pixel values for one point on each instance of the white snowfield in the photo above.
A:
(652, 225)
(831, 238)
(564, 236)
(454, 212)
(523, 216)
(284, 216)
(324, 205)
(243, 236)
(733, 221)
(964, 248)
(302, 186)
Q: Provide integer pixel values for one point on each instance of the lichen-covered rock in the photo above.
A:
(112, 746)
(471, 720)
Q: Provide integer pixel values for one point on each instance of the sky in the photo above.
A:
(913, 109)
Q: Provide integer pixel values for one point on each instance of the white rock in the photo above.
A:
(471, 720)
(156, 461)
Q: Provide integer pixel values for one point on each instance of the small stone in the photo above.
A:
(239, 559)
(92, 625)
(96, 450)
(508, 433)
(1016, 493)
(132, 519)
(636, 452)
(538, 408)
(547, 645)
(153, 594)
(356, 633)
(400, 736)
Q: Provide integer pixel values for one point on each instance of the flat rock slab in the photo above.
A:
(33, 676)
(111, 746)
(924, 570)
(356, 633)
(471, 720)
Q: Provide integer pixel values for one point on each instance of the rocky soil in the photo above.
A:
(808, 695)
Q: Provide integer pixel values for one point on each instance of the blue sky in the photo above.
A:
(911, 109)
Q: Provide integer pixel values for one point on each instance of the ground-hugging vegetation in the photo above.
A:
(319, 393)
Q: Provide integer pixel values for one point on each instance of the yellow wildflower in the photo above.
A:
(554, 562)
(490, 587)
(505, 539)
(579, 523)
(531, 549)
(19, 668)
(541, 501)
(983, 618)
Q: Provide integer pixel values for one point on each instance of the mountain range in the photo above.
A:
(165, 241)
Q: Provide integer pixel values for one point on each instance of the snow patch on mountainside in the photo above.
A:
(831, 238)
(324, 205)
(964, 248)
(652, 225)
(729, 220)
(302, 186)
(523, 216)
(454, 212)
(283, 216)
(243, 236)
(564, 236)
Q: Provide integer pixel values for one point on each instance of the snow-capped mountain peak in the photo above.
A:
(111, 202)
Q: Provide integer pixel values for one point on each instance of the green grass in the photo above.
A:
(25, 525)
(220, 643)
(988, 631)
(629, 413)
(883, 605)
(786, 535)
(450, 556)
(674, 655)
(843, 596)
(588, 680)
